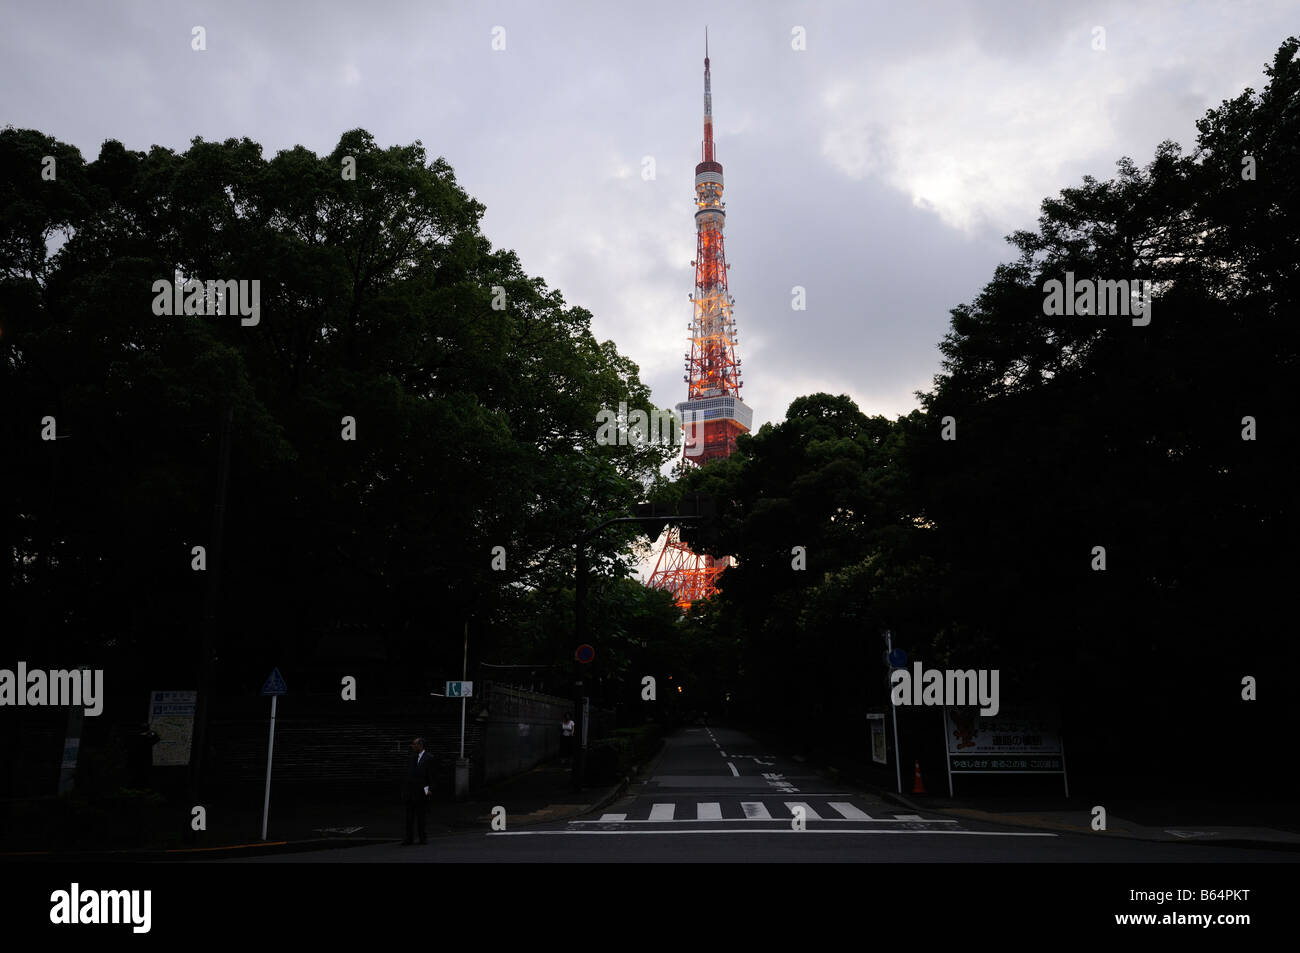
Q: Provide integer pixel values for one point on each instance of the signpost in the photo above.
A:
(894, 654)
(464, 690)
(275, 687)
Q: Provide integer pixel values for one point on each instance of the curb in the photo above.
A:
(616, 792)
(190, 854)
(994, 817)
(216, 852)
(612, 795)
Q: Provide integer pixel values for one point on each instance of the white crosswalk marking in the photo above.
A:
(808, 813)
(850, 812)
(725, 813)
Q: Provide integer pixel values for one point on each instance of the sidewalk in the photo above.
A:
(1262, 822)
(297, 823)
(1275, 824)
(1172, 822)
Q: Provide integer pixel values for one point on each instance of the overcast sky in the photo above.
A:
(879, 168)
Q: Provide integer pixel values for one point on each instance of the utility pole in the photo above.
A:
(462, 763)
(203, 704)
(580, 634)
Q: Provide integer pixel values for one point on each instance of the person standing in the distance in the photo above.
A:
(566, 738)
(416, 787)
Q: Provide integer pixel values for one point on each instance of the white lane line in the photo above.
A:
(708, 811)
(849, 811)
(734, 772)
(613, 817)
(785, 829)
(662, 812)
(908, 817)
(755, 811)
(808, 812)
(723, 753)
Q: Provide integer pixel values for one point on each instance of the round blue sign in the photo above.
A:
(897, 658)
(585, 653)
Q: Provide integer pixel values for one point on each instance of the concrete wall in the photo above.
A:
(523, 729)
(362, 747)
(323, 745)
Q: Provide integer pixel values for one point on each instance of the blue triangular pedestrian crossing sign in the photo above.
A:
(274, 684)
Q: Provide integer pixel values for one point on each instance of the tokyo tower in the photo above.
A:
(713, 413)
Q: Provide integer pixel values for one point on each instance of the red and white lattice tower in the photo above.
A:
(713, 413)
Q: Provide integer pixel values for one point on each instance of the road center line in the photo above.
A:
(756, 818)
(733, 769)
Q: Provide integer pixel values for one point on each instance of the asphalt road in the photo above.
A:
(715, 795)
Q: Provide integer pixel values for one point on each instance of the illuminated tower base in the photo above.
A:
(686, 574)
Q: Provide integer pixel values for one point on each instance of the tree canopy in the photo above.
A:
(472, 391)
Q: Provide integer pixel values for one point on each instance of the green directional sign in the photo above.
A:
(460, 689)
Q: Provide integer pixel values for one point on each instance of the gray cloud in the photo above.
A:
(879, 168)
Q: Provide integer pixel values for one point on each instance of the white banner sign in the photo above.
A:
(970, 733)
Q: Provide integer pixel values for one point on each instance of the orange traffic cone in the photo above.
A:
(917, 786)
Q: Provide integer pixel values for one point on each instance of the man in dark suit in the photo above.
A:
(416, 787)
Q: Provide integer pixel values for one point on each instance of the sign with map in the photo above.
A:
(171, 716)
